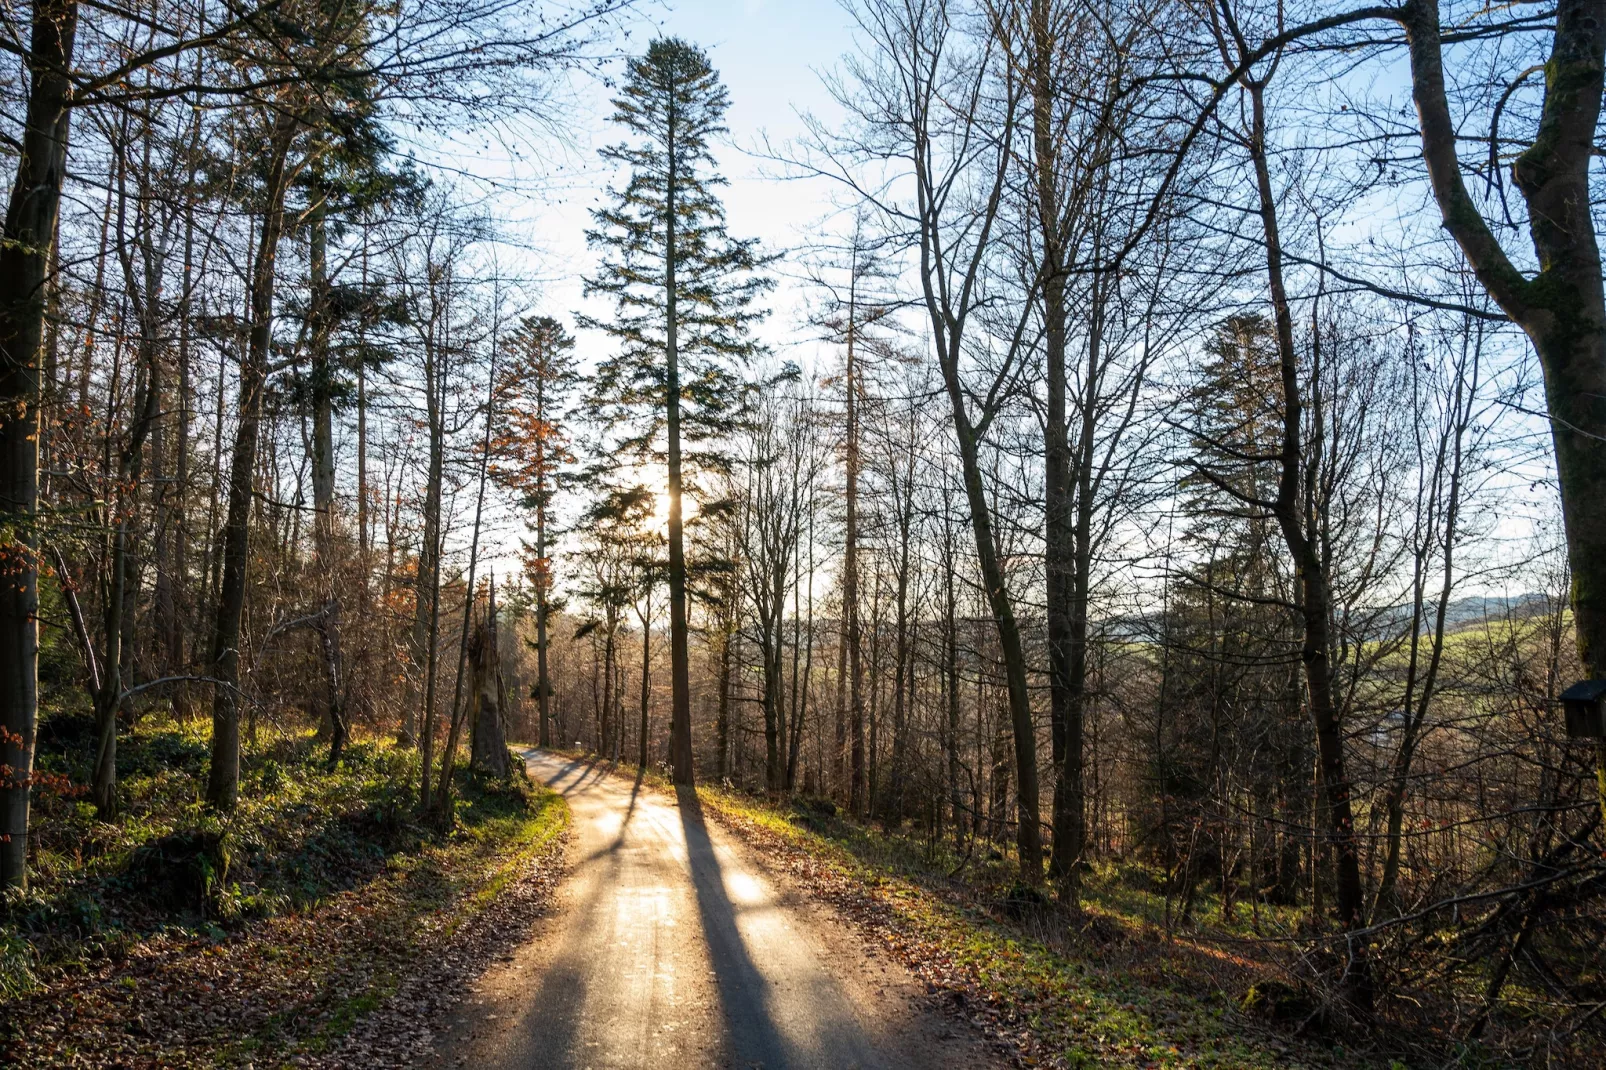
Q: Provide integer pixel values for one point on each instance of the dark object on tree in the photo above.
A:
(1585, 703)
(488, 733)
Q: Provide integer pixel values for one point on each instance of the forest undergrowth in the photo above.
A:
(173, 936)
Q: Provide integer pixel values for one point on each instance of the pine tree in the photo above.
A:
(531, 450)
(683, 291)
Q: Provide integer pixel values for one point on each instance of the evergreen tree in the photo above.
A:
(1232, 635)
(683, 291)
(531, 451)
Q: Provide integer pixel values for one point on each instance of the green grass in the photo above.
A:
(289, 919)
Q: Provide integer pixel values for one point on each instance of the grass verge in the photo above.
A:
(172, 938)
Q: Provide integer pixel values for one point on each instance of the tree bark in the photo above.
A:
(680, 751)
(850, 566)
(1562, 309)
(443, 794)
(1028, 837)
(426, 585)
(949, 277)
(1293, 512)
(323, 473)
(722, 720)
(223, 780)
(950, 658)
(543, 684)
(118, 608)
(1058, 545)
(903, 672)
(487, 729)
(24, 258)
(646, 680)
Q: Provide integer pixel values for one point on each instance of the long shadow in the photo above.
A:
(530, 754)
(547, 1035)
(624, 825)
(630, 811)
(569, 768)
(596, 771)
(754, 1039)
(588, 769)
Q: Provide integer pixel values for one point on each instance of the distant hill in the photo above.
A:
(1477, 608)
(1459, 614)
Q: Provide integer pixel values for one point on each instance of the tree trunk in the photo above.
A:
(449, 757)
(850, 567)
(177, 571)
(488, 730)
(680, 752)
(950, 657)
(1563, 308)
(118, 609)
(1029, 837)
(646, 682)
(334, 678)
(722, 722)
(800, 712)
(223, 781)
(323, 470)
(543, 685)
(1058, 546)
(1293, 512)
(426, 586)
(364, 536)
(24, 255)
(892, 804)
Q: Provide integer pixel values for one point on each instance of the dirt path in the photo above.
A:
(672, 947)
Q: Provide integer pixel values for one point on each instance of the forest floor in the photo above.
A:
(1107, 988)
(316, 926)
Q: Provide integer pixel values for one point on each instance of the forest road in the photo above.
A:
(673, 947)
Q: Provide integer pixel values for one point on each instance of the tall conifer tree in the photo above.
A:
(683, 293)
(532, 451)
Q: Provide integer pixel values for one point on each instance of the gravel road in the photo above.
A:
(673, 947)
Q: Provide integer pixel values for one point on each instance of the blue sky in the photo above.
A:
(770, 55)
(541, 189)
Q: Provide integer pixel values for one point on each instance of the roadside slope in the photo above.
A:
(1117, 998)
(332, 931)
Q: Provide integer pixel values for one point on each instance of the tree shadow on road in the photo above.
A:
(743, 992)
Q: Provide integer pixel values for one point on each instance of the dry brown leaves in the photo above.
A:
(365, 979)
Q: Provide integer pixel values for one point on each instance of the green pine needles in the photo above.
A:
(684, 294)
(683, 288)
